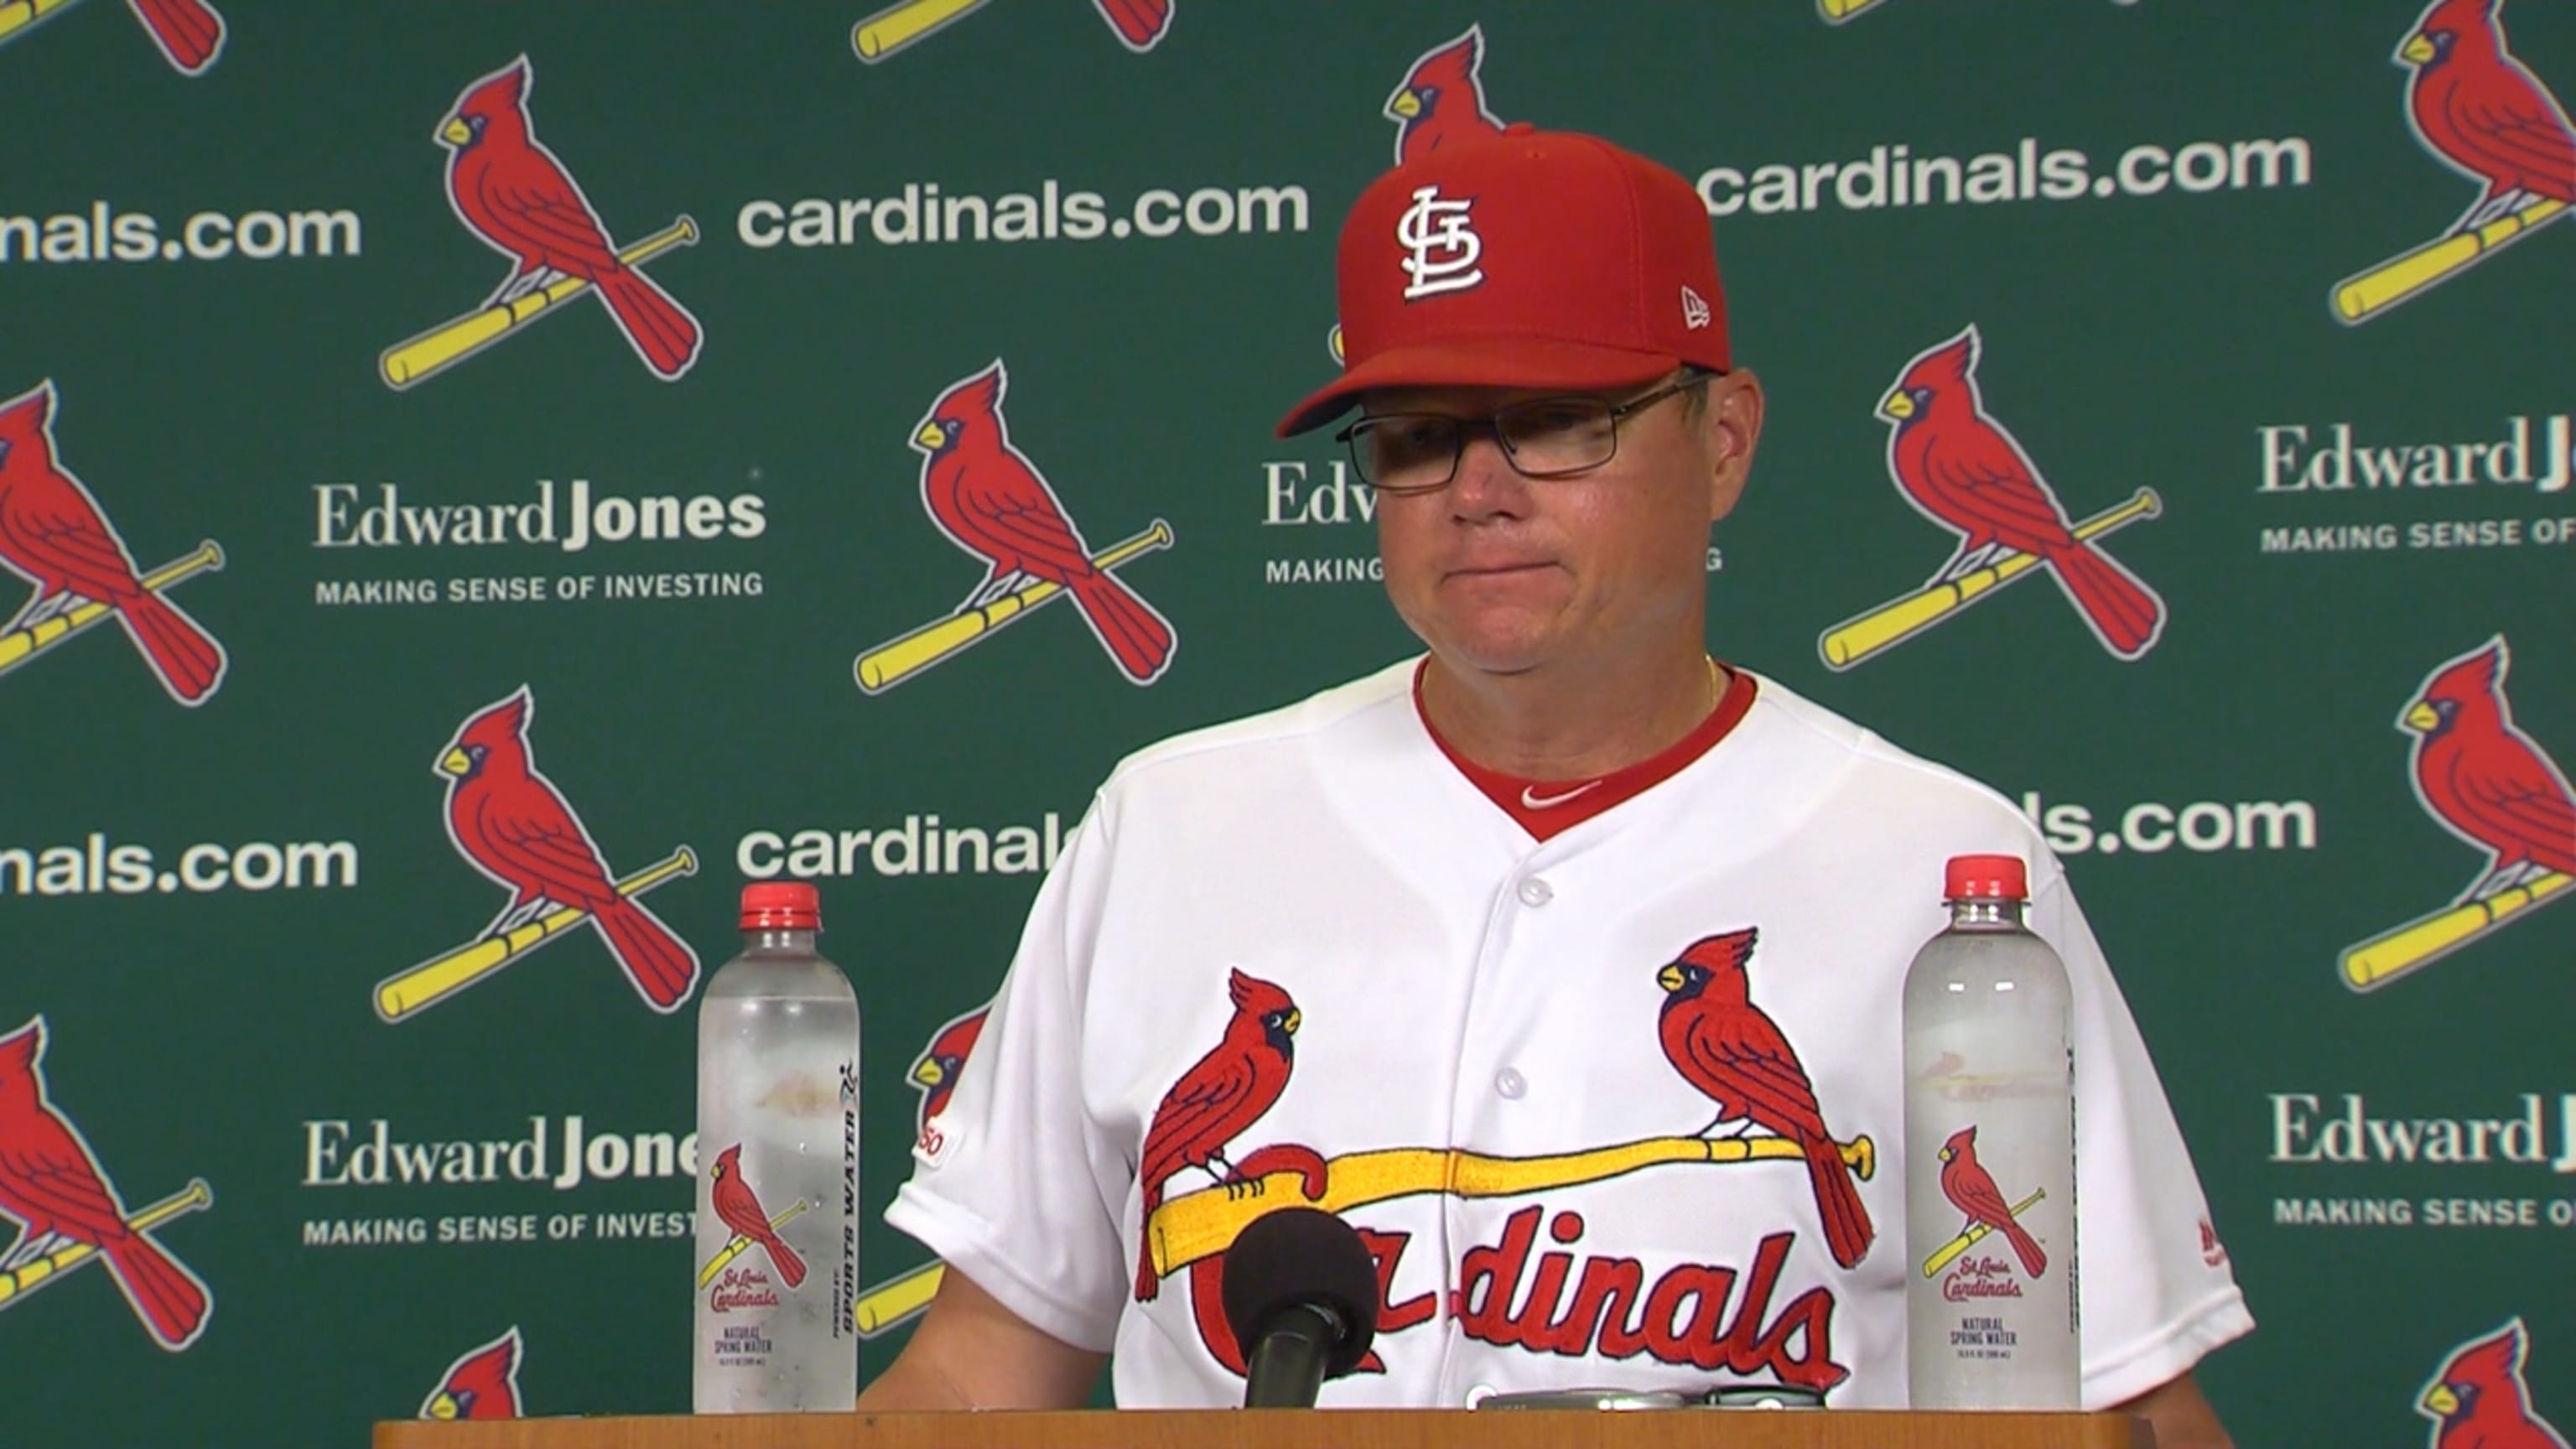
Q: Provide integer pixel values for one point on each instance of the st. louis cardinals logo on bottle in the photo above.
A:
(1957, 466)
(54, 535)
(190, 33)
(732, 1286)
(1982, 1210)
(992, 502)
(2479, 110)
(512, 824)
(2479, 1399)
(514, 196)
(69, 1215)
(2486, 781)
(483, 1383)
(1140, 25)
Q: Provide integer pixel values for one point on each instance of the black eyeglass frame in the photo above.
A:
(1350, 437)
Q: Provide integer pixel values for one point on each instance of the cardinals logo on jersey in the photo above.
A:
(1958, 466)
(1140, 25)
(934, 1072)
(482, 1384)
(510, 823)
(993, 503)
(515, 196)
(54, 535)
(2478, 1399)
(2477, 109)
(190, 33)
(69, 1215)
(2493, 786)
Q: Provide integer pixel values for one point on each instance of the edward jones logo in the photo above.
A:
(2498, 480)
(188, 33)
(514, 196)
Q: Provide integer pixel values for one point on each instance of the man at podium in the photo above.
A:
(1401, 950)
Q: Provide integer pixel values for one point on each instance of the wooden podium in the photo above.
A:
(1298, 1429)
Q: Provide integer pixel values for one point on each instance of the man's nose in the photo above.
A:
(1486, 484)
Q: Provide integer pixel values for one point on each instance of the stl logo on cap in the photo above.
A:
(483, 1383)
(2480, 111)
(514, 827)
(54, 535)
(1441, 240)
(189, 32)
(2479, 1400)
(1958, 466)
(515, 197)
(2494, 787)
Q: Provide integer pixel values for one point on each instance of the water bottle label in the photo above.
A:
(845, 1276)
(1990, 1258)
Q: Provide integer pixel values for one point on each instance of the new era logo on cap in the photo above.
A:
(1526, 259)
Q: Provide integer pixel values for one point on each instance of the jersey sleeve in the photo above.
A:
(2154, 1289)
(1009, 1184)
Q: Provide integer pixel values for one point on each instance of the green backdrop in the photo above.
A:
(2149, 212)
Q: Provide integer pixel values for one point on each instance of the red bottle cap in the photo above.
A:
(1986, 878)
(781, 905)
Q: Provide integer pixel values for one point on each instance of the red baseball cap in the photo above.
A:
(1526, 258)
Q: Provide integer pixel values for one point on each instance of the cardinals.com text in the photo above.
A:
(1892, 176)
(104, 234)
(2203, 827)
(921, 214)
(98, 866)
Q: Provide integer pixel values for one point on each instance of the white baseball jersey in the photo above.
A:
(1390, 1001)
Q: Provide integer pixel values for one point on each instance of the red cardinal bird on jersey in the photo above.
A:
(50, 1182)
(740, 1208)
(189, 32)
(2483, 112)
(1442, 100)
(52, 532)
(1724, 1045)
(1960, 469)
(513, 825)
(992, 502)
(934, 1075)
(510, 190)
(1141, 24)
(1972, 1191)
(484, 1384)
(1216, 1100)
(2486, 780)
(2479, 1400)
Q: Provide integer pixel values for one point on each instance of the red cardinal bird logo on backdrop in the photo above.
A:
(991, 501)
(513, 825)
(1217, 1100)
(483, 1384)
(1959, 467)
(2484, 779)
(934, 1072)
(740, 1209)
(1731, 1051)
(2479, 1399)
(67, 1211)
(1141, 24)
(517, 198)
(189, 32)
(1971, 1189)
(1442, 100)
(54, 535)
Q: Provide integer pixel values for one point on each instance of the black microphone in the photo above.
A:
(1300, 1292)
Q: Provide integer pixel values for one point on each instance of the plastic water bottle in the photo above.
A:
(778, 1170)
(1991, 1298)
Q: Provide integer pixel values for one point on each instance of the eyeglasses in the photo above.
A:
(1549, 437)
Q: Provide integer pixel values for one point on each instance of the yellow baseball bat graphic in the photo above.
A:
(2426, 939)
(1838, 11)
(1897, 620)
(734, 1249)
(897, 1299)
(453, 341)
(1199, 1224)
(20, 645)
(889, 664)
(2360, 298)
(28, 1277)
(899, 25)
(433, 981)
(1951, 1250)
(18, 15)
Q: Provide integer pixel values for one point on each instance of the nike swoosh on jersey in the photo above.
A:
(1532, 800)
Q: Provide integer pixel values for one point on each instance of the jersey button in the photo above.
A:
(1510, 1083)
(1536, 892)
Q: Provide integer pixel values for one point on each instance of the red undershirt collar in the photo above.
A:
(1546, 807)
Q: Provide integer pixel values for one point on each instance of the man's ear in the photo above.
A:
(1732, 424)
